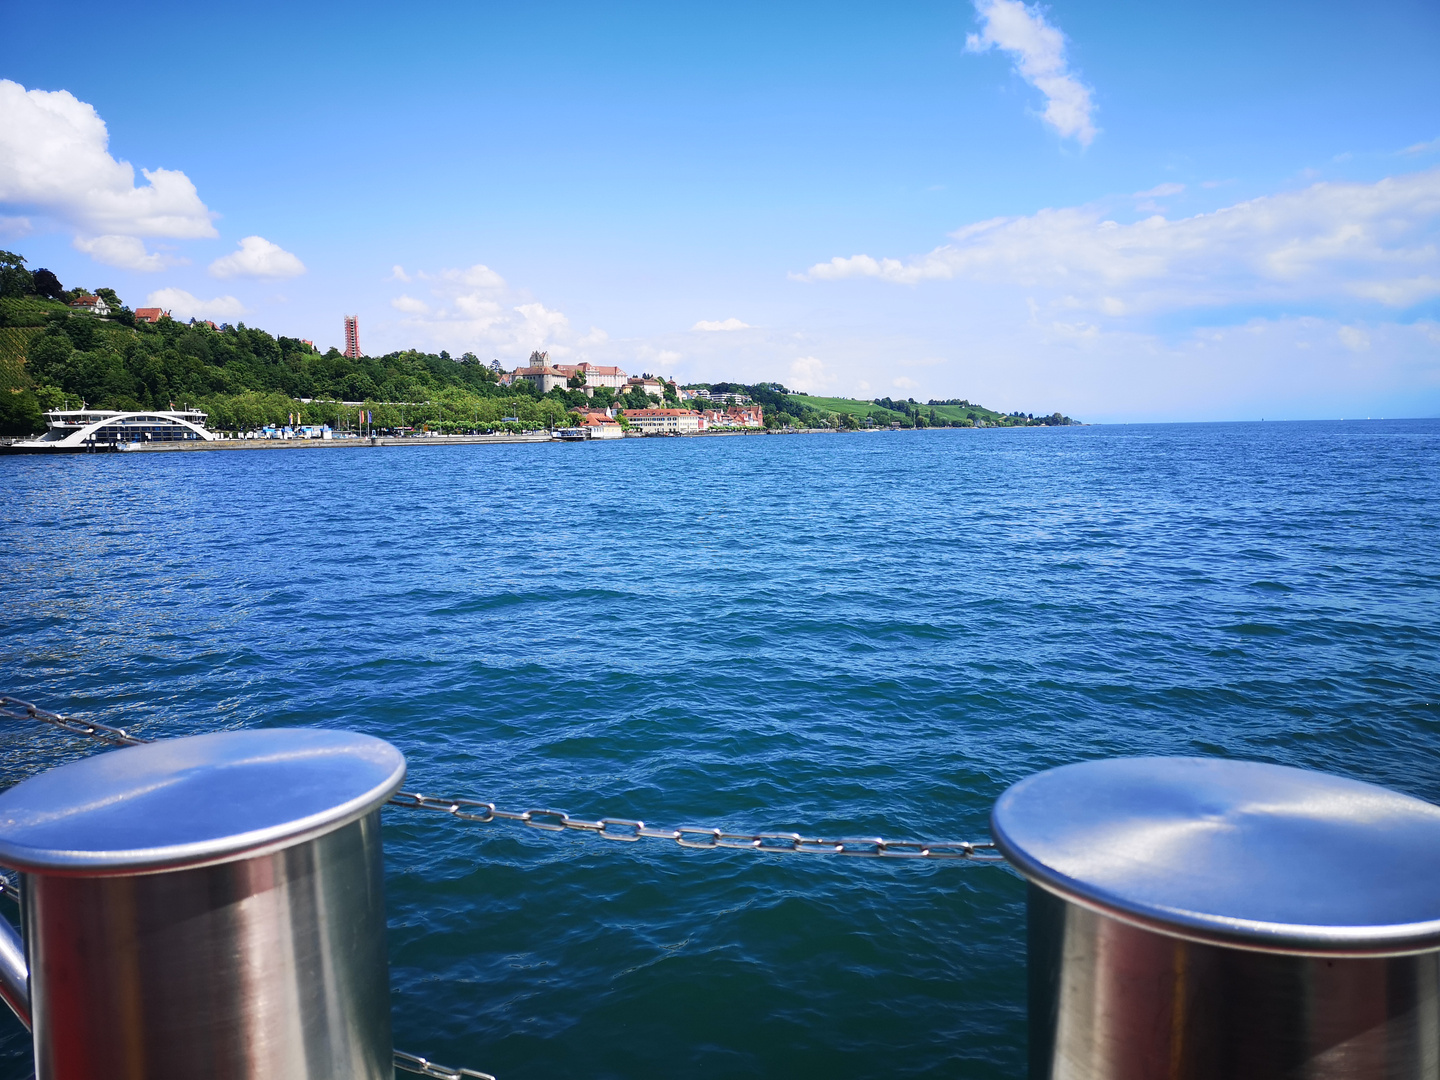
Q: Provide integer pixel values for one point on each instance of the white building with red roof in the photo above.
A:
(663, 421)
(95, 305)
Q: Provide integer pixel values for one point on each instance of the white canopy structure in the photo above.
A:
(100, 429)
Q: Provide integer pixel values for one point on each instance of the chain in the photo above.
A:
(707, 839)
(412, 1063)
(114, 736)
(622, 829)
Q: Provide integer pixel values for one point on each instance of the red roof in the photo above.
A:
(150, 314)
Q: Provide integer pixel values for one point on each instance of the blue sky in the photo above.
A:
(1121, 211)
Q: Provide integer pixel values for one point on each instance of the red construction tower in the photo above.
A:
(352, 337)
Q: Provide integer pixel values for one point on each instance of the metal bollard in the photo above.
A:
(210, 906)
(1201, 919)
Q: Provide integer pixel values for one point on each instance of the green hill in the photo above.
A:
(884, 411)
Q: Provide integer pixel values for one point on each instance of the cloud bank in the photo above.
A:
(474, 309)
(257, 258)
(1374, 242)
(713, 325)
(1038, 50)
(55, 163)
(184, 305)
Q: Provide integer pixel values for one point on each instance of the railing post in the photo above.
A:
(209, 906)
(1201, 919)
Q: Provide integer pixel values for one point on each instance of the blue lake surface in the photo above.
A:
(839, 635)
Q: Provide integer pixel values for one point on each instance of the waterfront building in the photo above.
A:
(95, 305)
(749, 417)
(150, 314)
(104, 429)
(663, 421)
(602, 426)
(352, 337)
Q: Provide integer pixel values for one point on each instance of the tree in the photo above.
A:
(576, 381)
(48, 285)
(635, 398)
(15, 280)
(20, 413)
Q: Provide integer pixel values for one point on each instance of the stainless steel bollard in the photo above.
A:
(205, 907)
(1199, 919)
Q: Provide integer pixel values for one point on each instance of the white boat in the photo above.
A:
(90, 430)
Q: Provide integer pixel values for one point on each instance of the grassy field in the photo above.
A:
(869, 408)
(840, 405)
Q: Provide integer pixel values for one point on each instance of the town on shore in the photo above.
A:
(85, 352)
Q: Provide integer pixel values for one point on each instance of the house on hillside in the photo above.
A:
(150, 315)
(596, 375)
(542, 377)
(95, 305)
(647, 384)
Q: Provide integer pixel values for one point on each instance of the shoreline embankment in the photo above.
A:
(366, 442)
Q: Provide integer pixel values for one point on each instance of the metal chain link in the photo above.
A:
(705, 838)
(412, 1063)
(114, 736)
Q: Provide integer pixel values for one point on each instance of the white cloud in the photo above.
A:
(474, 309)
(183, 305)
(1039, 53)
(808, 374)
(1331, 241)
(478, 276)
(397, 273)
(410, 305)
(1160, 191)
(15, 226)
(257, 257)
(55, 163)
(1354, 339)
(125, 252)
(1422, 147)
(731, 323)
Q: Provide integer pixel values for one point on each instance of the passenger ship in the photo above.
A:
(91, 430)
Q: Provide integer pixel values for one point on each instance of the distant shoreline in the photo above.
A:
(190, 446)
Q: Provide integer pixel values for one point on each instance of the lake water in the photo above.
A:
(840, 635)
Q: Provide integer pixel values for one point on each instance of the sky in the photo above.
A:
(1120, 211)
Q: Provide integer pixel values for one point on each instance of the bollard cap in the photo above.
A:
(194, 801)
(1232, 852)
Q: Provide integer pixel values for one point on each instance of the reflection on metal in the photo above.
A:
(1199, 919)
(1113, 1001)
